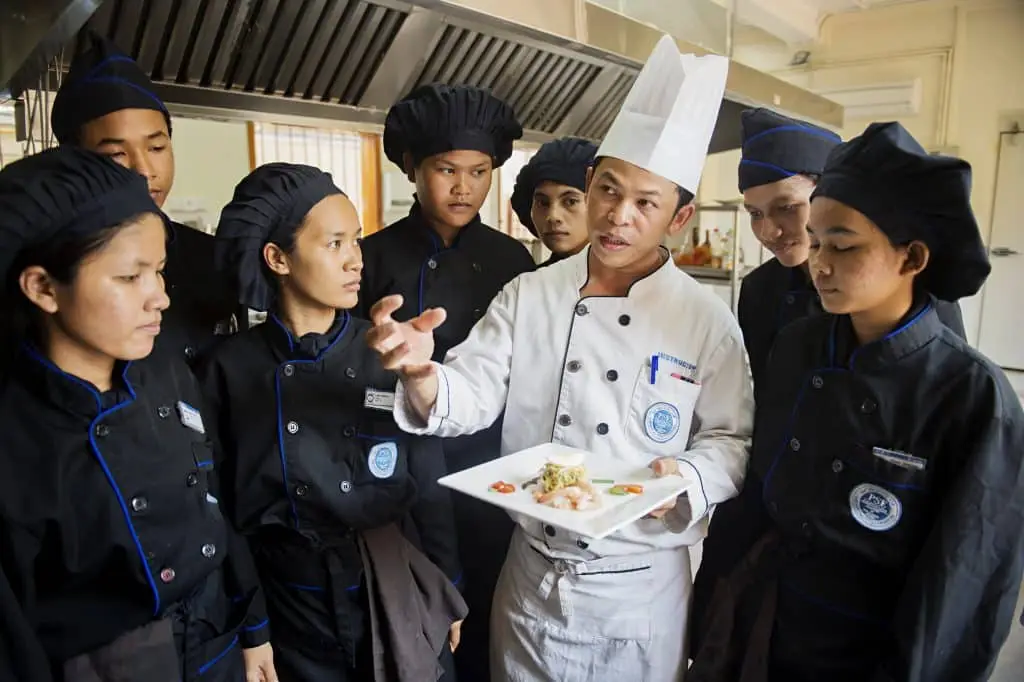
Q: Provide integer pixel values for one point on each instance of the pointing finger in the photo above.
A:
(429, 320)
(381, 311)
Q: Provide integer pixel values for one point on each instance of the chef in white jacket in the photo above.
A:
(613, 350)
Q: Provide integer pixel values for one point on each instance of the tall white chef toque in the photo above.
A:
(666, 122)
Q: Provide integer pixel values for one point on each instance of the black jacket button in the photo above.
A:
(139, 504)
(612, 375)
(289, 370)
(102, 431)
(190, 352)
(817, 381)
(868, 406)
(574, 365)
(302, 490)
(192, 480)
(549, 530)
(163, 412)
(581, 544)
(209, 550)
(581, 310)
(350, 373)
(432, 264)
(602, 429)
(564, 420)
(345, 486)
(348, 432)
(624, 320)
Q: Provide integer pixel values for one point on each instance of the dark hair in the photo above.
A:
(61, 258)
(685, 196)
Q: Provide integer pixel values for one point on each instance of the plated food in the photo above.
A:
(563, 484)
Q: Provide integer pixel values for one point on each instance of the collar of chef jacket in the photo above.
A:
(917, 328)
(651, 282)
(74, 395)
(309, 346)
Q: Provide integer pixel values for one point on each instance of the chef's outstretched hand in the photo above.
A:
(665, 466)
(405, 347)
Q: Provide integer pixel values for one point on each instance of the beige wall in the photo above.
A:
(561, 17)
(211, 158)
(968, 55)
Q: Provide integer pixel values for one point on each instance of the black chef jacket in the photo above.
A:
(409, 258)
(773, 295)
(203, 305)
(308, 461)
(109, 519)
(892, 474)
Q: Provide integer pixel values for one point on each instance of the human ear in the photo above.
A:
(39, 288)
(916, 257)
(276, 259)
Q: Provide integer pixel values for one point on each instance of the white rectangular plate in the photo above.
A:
(614, 513)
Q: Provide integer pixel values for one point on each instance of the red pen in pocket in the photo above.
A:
(676, 375)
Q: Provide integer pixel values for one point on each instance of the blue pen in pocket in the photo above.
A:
(654, 368)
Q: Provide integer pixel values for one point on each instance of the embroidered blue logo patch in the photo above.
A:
(383, 459)
(661, 423)
(875, 508)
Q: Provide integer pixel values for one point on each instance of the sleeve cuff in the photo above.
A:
(409, 422)
(255, 634)
(692, 505)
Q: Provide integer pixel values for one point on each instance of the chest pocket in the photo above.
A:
(880, 503)
(660, 414)
(380, 469)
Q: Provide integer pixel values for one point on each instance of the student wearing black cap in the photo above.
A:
(106, 104)
(316, 473)
(117, 561)
(782, 160)
(549, 195)
(878, 534)
(449, 140)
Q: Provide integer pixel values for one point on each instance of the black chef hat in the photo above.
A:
(912, 195)
(563, 161)
(63, 193)
(434, 119)
(776, 147)
(269, 204)
(102, 80)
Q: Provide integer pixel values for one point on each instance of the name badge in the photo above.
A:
(379, 400)
(190, 417)
(900, 459)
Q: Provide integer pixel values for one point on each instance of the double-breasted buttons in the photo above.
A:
(794, 445)
(790, 299)
(192, 480)
(837, 466)
(549, 530)
(292, 428)
(345, 486)
(209, 550)
(348, 431)
(602, 429)
(163, 412)
(612, 375)
(139, 504)
(190, 353)
(289, 370)
(564, 420)
(868, 406)
(581, 544)
(432, 264)
(350, 373)
(476, 267)
(477, 313)
(581, 309)
(301, 490)
(624, 320)
(574, 365)
(102, 430)
(167, 575)
(817, 381)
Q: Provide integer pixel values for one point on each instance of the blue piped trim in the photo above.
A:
(304, 588)
(206, 464)
(457, 580)
(438, 250)
(217, 659)
(770, 166)
(102, 462)
(804, 130)
(895, 332)
(277, 399)
(258, 626)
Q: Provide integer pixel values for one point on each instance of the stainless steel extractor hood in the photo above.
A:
(321, 62)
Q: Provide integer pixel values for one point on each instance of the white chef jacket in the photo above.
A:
(577, 371)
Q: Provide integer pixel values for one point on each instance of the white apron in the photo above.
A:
(616, 619)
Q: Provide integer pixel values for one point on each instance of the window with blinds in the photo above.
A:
(337, 152)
